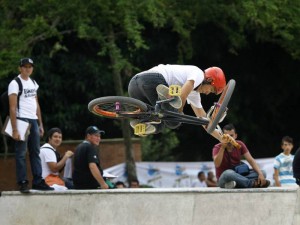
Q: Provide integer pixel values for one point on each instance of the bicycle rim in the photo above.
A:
(221, 106)
(116, 107)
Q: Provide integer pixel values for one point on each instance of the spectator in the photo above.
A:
(52, 162)
(88, 173)
(283, 164)
(26, 107)
(120, 184)
(201, 180)
(296, 166)
(226, 157)
(211, 179)
(134, 184)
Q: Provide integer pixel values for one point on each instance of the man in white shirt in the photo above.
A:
(201, 182)
(24, 105)
(51, 161)
(150, 85)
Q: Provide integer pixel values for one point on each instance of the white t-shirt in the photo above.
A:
(178, 75)
(27, 103)
(47, 155)
(199, 183)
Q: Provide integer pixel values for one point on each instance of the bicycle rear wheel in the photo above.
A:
(220, 106)
(117, 107)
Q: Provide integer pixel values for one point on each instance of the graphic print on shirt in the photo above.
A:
(29, 92)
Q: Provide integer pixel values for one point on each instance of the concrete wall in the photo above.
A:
(189, 206)
(112, 152)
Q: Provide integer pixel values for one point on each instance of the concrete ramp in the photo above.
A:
(153, 206)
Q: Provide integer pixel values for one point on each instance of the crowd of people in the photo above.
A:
(83, 164)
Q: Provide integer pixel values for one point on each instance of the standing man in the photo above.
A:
(26, 107)
(226, 157)
(88, 173)
(283, 164)
(52, 162)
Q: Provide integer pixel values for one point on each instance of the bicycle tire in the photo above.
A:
(107, 107)
(222, 103)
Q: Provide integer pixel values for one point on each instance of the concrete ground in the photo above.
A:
(153, 206)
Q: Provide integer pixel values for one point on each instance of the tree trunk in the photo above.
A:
(116, 62)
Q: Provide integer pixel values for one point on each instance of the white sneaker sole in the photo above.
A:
(230, 185)
(163, 93)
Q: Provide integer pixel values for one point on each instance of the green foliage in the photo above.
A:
(79, 45)
(159, 147)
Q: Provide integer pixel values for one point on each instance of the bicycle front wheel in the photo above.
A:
(220, 106)
(117, 107)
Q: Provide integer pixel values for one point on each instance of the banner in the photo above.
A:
(176, 174)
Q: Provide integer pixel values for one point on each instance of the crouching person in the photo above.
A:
(52, 162)
(227, 158)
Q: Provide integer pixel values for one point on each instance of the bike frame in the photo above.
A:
(157, 113)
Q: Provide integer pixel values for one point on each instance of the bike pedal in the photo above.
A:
(140, 129)
(174, 90)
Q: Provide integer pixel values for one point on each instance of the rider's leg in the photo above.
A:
(143, 87)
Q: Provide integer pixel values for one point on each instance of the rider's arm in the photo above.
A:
(186, 89)
(199, 112)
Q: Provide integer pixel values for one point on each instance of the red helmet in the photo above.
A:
(217, 78)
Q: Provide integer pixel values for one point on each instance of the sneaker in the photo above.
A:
(42, 186)
(163, 93)
(24, 187)
(230, 185)
(150, 129)
(257, 185)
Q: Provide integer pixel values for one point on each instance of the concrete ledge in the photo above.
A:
(188, 206)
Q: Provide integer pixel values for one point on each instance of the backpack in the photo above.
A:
(5, 99)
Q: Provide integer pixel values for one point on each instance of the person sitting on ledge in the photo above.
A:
(51, 161)
(226, 157)
(88, 173)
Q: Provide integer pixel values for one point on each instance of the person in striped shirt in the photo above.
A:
(283, 164)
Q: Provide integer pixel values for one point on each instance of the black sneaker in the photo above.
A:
(42, 186)
(258, 185)
(24, 188)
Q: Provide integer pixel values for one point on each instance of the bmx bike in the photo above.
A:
(121, 107)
